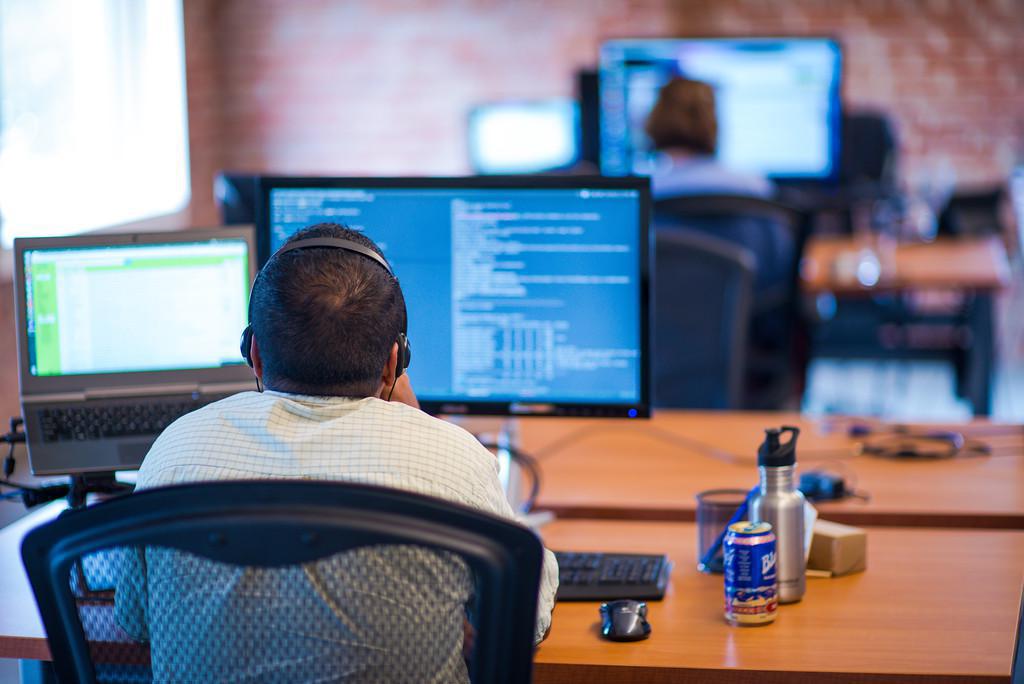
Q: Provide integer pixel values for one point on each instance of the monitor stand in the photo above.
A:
(502, 437)
(105, 484)
(509, 471)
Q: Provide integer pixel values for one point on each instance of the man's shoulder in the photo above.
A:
(424, 423)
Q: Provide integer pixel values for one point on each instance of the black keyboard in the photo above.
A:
(114, 420)
(607, 576)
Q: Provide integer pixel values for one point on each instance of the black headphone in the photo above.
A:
(404, 348)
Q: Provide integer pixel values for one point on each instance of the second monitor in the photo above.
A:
(526, 295)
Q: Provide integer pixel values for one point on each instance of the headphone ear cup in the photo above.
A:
(245, 345)
(404, 355)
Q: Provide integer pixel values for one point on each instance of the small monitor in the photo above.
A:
(129, 308)
(526, 295)
(524, 136)
(777, 101)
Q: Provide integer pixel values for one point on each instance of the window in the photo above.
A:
(92, 114)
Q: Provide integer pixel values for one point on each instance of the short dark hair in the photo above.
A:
(325, 319)
(684, 117)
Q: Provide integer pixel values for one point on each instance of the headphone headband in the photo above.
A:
(337, 243)
(404, 349)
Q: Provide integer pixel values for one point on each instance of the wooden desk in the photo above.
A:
(653, 470)
(948, 607)
(21, 629)
(933, 605)
(976, 264)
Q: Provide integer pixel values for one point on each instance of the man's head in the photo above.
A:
(683, 118)
(325, 320)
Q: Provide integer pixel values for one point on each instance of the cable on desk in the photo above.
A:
(653, 431)
(527, 463)
(30, 495)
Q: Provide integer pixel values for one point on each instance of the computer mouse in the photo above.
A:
(624, 620)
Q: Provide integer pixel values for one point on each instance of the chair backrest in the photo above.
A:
(973, 213)
(285, 581)
(774, 232)
(702, 295)
(1017, 667)
(867, 150)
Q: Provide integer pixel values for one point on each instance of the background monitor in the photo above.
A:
(235, 195)
(526, 295)
(777, 101)
(524, 136)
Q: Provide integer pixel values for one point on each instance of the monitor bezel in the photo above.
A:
(835, 93)
(638, 409)
(54, 384)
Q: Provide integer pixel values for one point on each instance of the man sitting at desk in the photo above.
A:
(327, 343)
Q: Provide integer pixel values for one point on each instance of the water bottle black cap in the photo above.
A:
(776, 454)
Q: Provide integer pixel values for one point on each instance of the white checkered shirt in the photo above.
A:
(370, 441)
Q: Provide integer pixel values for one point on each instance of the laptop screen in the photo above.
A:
(132, 308)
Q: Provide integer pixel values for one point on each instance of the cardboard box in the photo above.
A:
(838, 549)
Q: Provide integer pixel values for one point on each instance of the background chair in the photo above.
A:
(775, 234)
(1017, 668)
(974, 214)
(328, 578)
(702, 294)
(868, 152)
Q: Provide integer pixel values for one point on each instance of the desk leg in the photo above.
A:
(36, 672)
(981, 355)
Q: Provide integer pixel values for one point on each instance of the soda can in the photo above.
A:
(751, 580)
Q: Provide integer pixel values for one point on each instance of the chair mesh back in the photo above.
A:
(385, 613)
(701, 306)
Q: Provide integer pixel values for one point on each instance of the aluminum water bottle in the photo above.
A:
(780, 503)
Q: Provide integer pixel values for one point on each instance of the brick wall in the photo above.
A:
(384, 87)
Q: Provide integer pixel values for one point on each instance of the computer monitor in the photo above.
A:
(120, 334)
(524, 136)
(777, 101)
(235, 195)
(526, 295)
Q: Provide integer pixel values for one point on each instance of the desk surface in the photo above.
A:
(654, 469)
(21, 629)
(948, 263)
(932, 604)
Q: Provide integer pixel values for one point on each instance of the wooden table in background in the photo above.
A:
(933, 606)
(640, 469)
(975, 264)
(971, 270)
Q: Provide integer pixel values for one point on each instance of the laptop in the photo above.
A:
(119, 335)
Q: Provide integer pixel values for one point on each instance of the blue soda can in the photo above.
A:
(751, 582)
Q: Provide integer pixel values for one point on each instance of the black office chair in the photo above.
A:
(285, 581)
(702, 295)
(973, 214)
(776, 234)
(1017, 667)
(867, 151)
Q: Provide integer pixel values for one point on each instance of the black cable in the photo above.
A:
(529, 464)
(30, 495)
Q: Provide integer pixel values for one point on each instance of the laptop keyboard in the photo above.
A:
(119, 420)
(607, 576)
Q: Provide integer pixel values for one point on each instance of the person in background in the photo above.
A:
(683, 127)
